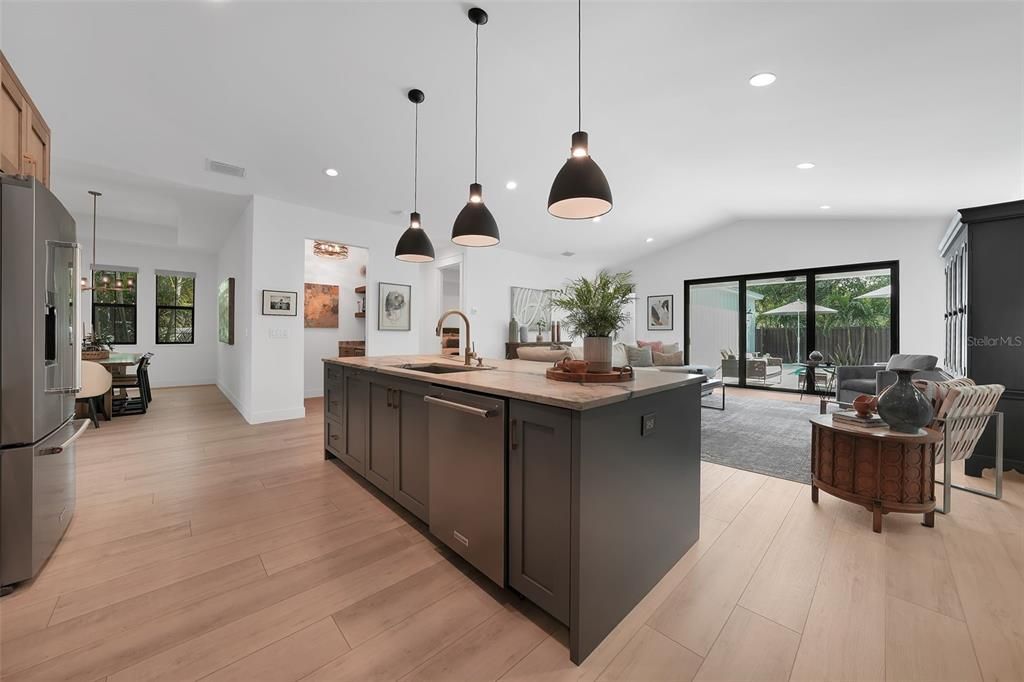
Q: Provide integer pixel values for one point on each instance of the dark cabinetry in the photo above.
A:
(985, 317)
(379, 428)
(539, 477)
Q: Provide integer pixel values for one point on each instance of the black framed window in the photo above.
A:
(114, 310)
(762, 329)
(175, 307)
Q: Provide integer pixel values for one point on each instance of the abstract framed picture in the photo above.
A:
(660, 313)
(321, 306)
(226, 311)
(394, 305)
(280, 303)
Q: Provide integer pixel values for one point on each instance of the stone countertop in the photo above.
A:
(523, 380)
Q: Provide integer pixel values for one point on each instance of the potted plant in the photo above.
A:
(594, 311)
(97, 346)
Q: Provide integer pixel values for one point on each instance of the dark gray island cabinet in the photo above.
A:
(600, 491)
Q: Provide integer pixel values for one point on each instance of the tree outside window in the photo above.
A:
(113, 310)
(175, 308)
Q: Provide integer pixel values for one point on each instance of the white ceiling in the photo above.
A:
(907, 108)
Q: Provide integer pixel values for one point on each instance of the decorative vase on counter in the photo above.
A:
(513, 331)
(902, 406)
(597, 350)
(524, 334)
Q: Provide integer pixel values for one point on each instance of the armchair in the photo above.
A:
(853, 380)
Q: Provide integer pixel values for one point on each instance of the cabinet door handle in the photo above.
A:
(389, 397)
(396, 398)
(513, 429)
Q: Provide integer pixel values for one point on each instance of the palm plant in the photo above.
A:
(594, 307)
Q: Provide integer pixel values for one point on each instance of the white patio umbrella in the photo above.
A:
(798, 308)
(882, 292)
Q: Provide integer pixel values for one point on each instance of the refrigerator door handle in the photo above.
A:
(63, 292)
(83, 424)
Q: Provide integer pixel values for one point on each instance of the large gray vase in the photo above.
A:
(902, 406)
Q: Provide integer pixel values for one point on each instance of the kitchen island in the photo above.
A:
(579, 497)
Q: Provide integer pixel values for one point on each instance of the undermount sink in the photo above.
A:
(439, 368)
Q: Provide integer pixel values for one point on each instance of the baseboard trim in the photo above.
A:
(235, 402)
(276, 415)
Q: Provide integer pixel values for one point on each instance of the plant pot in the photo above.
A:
(95, 354)
(902, 406)
(597, 350)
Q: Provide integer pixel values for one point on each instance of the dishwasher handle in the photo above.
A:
(468, 409)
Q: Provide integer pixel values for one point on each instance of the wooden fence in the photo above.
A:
(841, 345)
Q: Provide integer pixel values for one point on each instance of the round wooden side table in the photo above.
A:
(882, 470)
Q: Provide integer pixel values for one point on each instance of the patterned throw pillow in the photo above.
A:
(668, 359)
(640, 357)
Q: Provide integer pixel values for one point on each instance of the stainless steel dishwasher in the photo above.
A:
(467, 477)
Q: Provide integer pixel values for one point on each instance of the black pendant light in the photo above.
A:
(475, 226)
(580, 189)
(415, 246)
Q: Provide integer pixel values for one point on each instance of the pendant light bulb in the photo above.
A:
(580, 190)
(475, 225)
(414, 245)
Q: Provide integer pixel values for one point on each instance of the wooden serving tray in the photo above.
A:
(618, 374)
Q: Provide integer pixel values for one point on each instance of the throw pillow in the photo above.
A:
(669, 359)
(619, 357)
(541, 354)
(668, 348)
(655, 346)
(640, 357)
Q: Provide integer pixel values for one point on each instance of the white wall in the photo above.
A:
(488, 276)
(172, 365)
(279, 231)
(755, 246)
(234, 362)
(318, 342)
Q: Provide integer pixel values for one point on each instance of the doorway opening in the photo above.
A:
(334, 307)
(450, 298)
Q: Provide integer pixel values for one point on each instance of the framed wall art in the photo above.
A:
(394, 303)
(660, 313)
(280, 303)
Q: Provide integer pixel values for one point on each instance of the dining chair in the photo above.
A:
(96, 381)
(139, 381)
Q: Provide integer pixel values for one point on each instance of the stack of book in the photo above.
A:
(851, 417)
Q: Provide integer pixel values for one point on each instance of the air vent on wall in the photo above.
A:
(225, 168)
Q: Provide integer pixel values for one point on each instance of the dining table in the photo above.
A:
(117, 364)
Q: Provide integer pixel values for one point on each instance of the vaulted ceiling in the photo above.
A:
(906, 108)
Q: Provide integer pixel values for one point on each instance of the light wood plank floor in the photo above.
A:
(204, 547)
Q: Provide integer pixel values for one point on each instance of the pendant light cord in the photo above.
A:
(579, 64)
(476, 107)
(93, 268)
(416, 160)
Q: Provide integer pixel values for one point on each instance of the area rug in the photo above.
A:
(771, 437)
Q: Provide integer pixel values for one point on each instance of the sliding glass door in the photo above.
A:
(761, 330)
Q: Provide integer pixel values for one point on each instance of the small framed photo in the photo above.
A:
(660, 313)
(280, 302)
(394, 303)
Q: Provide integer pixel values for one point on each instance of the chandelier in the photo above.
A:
(330, 250)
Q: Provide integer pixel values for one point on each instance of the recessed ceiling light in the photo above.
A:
(331, 172)
(649, 240)
(824, 207)
(596, 219)
(511, 184)
(568, 254)
(759, 80)
(806, 165)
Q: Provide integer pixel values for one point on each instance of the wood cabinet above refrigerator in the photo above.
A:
(24, 135)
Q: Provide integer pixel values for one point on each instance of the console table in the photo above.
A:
(882, 470)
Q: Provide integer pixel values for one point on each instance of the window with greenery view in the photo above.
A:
(175, 308)
(113, 311)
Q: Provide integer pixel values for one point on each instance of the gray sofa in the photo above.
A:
(854, 380)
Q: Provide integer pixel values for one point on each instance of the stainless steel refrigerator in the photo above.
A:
(40, 369)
